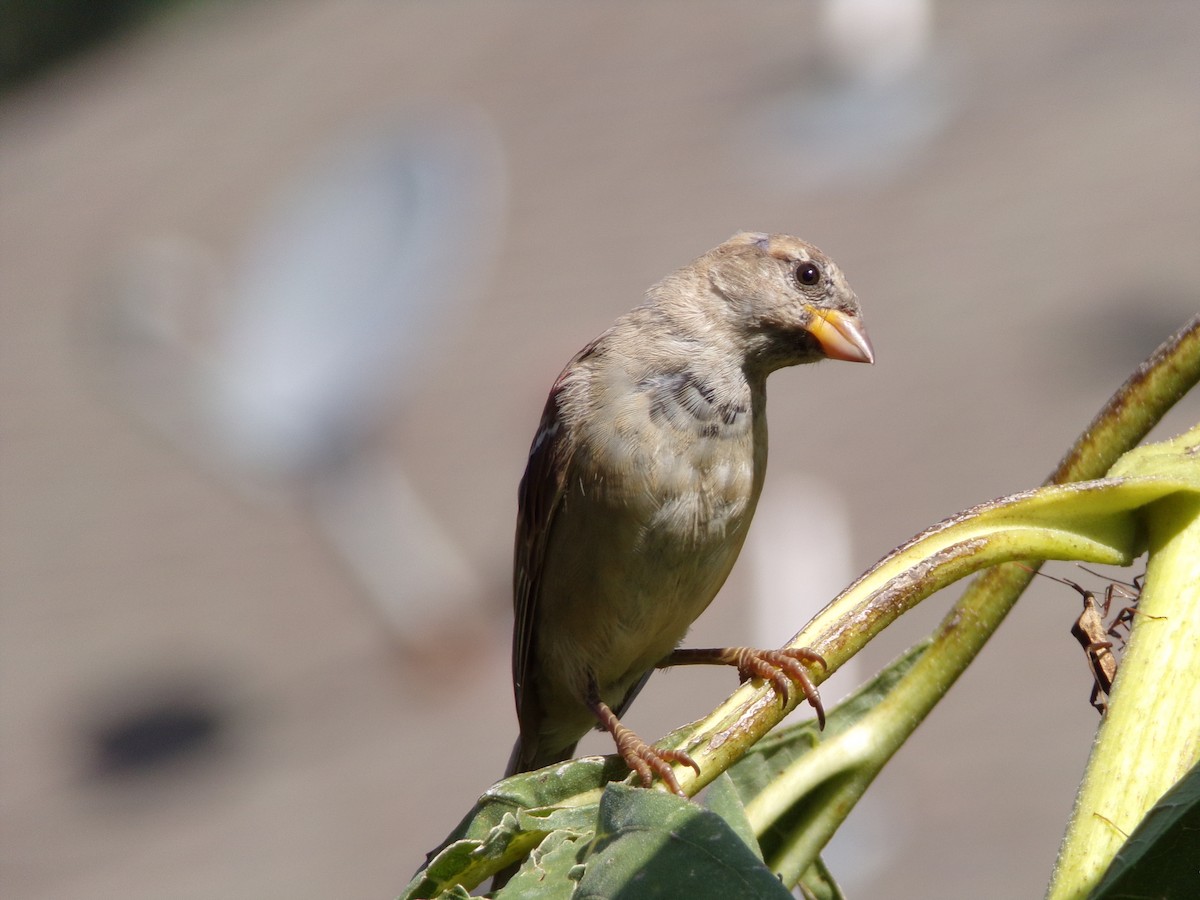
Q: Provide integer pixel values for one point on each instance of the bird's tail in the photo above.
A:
(514, 760)
(525, 757)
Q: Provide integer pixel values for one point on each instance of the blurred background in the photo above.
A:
(283, 286)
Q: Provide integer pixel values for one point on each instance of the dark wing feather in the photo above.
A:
(539, 497)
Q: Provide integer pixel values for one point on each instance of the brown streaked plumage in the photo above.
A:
(642, 480)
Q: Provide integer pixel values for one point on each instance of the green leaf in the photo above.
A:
(553, 869)
(1175, 459)
(1161, 859)
(722, 798)
(767, 773)
(464, 862)
(771, 756)
(651, 844)
(511, 819)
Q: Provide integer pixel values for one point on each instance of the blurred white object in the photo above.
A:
(401, 556)
(358, 272)
(801, 558)
(351, 282)
(863, 110)
(801, 554)
(877, 40)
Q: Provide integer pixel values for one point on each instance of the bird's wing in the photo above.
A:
(539, 498)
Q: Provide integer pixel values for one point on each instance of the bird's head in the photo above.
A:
(786, 300)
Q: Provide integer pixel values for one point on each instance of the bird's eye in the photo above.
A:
(807, 274)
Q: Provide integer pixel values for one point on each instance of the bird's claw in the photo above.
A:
(647, 760)
(781, 668)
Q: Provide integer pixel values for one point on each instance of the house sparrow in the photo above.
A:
(641, 483)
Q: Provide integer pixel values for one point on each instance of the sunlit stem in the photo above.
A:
(1151, 734)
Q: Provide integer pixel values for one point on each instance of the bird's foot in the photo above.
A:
(645, 759)
(780, 667)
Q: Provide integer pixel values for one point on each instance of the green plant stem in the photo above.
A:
(1042, 522)
(1155, 386)
(841, 630)
(1150, 736)
(866, 747)
(1125, 420)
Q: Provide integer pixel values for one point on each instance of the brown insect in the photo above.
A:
(1093, 635)
(1128, 590)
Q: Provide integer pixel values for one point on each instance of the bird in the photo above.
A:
(640, 485)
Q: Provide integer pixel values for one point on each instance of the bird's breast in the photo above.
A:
(684, 455)
(650, 524)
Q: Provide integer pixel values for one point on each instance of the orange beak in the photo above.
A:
(841, 336)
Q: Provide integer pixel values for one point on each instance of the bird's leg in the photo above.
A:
(780, 667)
(641, 757)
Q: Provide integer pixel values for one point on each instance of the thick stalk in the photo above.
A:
(1150, 736)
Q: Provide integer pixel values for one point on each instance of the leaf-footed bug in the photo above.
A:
(1093, 635)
